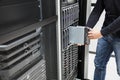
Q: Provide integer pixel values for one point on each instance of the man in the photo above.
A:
(109, 35)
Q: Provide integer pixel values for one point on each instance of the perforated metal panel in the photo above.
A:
(69, 62)
(37, 72)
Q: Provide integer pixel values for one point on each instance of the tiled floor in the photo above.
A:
(111, 69)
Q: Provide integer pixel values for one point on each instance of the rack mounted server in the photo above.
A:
(25, 56)
(18, 56)
(69, 17)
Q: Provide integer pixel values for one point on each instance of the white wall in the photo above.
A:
(98, 26)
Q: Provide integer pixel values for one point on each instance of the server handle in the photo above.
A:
(18, 42)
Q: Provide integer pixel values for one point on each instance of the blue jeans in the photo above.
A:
(106, 45)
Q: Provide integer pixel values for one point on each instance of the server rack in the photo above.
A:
(60, 65)
(68, 15)
(42, 47)
(67, 19)
(22, 54)
(69, 52)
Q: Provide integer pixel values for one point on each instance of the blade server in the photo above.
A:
(69, 16)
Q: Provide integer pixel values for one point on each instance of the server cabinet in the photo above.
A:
(71, 13)
(41, 49)
(68, 15)
(22, 54)
(66, 69)
(61, 57)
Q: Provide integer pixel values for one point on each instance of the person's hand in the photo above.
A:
(94, 34)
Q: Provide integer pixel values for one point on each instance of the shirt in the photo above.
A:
(111, 23)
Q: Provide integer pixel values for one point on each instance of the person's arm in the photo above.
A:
(95, 14)
(111, 28)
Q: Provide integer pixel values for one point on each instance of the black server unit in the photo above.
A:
(24, 40)
(21, 40)
(20, 55)
(69, 17)
(73, 13)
